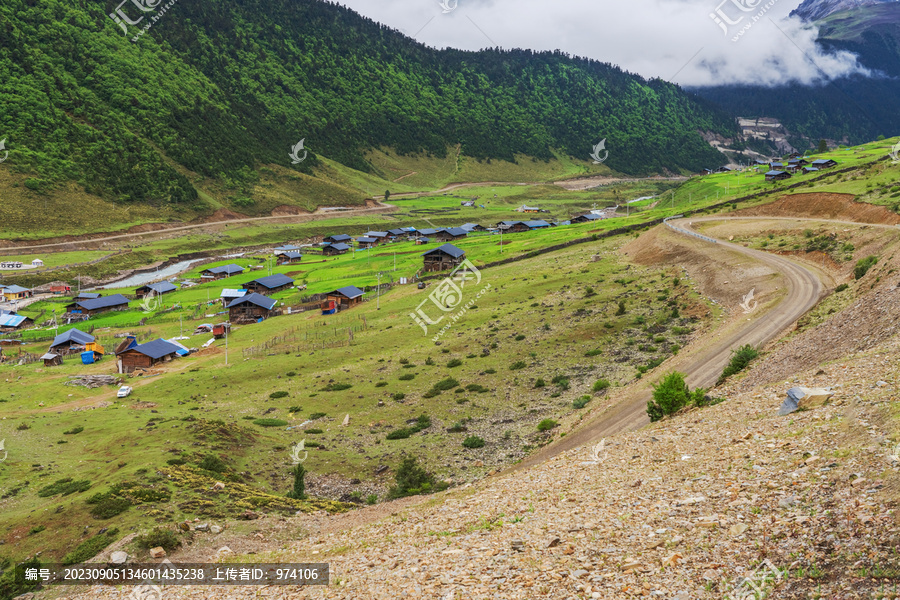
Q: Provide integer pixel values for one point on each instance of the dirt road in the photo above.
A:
(703, 366)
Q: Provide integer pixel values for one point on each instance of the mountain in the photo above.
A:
(813, 10)
(222, 90)
(849, 110)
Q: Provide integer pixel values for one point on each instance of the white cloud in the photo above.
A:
(677, 40)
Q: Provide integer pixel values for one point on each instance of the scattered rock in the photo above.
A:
(118, 558)
(248, 515)
(202, 527)
(157, 552)
(673, 559)
(630, 563)
(518, 545)
(215, 529)
(738, 529)
(219, 486)
(553, 543)
(787, 502)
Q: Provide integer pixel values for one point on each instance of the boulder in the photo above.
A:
(118, 558)
(157, 552)
(804, 397)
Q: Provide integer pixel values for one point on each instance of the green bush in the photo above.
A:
(454, 363)
(621, 310)
(175, 462)
(295, 409)
(65, 487)
(594, 352)
(519, 364)
(863, 266)
(299, 491)
(546, 425)
(381, 384)
(399, 434)
(476, 387)
(73, 431)
(372, 499)
(270, 422)
(212, 463)
(109, 507)
(671, 395)
(398, 396)
(291, 374)
(313, 431)
(520, 337)
(580, 403)
(89, 548)
(473, 441)
(411, 480)
(841, 288)
(740, 358)
(158, 536)
(336, 387)
(539, 383)
(600, 385)
(457, 427)
(277, 395)
(317, 415)
(406, 377)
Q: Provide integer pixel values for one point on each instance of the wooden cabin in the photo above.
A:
(777, 175)
(132, 356)
(443, 258)
(216, 273)
(158, 289)
(52, 360)
(270, 284)
(73, 341)
(335, 239)
(335, 249)
(450, 235)
(252, 308)
(99, 305)
(345, 297)
(289, 258)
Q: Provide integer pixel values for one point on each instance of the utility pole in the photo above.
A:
(227, 327)
(395, 260)
(378, 294)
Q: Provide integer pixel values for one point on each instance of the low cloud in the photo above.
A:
(753, 42)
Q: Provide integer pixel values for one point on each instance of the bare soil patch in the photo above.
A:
(839, 207)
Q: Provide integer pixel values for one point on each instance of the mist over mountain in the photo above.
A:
(813, 10)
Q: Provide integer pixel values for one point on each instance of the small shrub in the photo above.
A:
(295, 409)
(291, 374)
(476, 387)
(539, 383)
(546, 425)
(336, 387)
(398, 396)
(519, 364)
(316, 415)
(314, 431)
(22, 427)
(520, 337)
(490, 371)
(601, 384)
(277, 395)
(175, 462)
(462, 400)
(64, 487)
(581, 402)
(740, 358)
(36, 530)
(473, 441)
(158, 536)
(90, 547)
(594, 352)
(108, 507)
(299, 490)
(863, 266)
(270, 422)
(671, 395)
(381, 384)
(445, 384)
(453, 363)
(407, 377)
(399, 434)
(372, 499)
(411, 480)
(429, 361)
(457, 427)
(213, 463)
(621, 310)
(73, 431)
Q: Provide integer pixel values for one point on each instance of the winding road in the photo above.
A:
(702, 368)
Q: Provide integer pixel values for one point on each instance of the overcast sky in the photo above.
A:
(677, 40)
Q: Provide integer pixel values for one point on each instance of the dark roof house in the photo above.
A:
(271, 284)
(163, 287)
(337, 238)
(443, 257)
(334, 249)
(99, 305)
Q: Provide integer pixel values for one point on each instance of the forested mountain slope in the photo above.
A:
(220, 89)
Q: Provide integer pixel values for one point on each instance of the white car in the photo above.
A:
(124, 392)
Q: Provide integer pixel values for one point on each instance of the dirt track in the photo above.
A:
(704, 365)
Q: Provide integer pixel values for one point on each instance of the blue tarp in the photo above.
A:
(87, 358)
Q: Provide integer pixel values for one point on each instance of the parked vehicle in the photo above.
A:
(124, 392)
